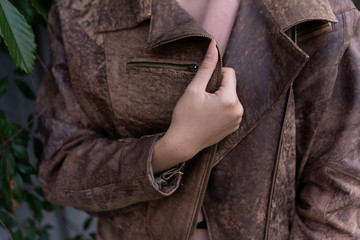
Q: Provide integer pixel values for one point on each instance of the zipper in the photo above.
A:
(308, 30)
(198, 35)
(214, 147)
(295, 34)
(203, 190)
(178, 67)
(276, 167)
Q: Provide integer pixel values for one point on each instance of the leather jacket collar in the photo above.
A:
(115, 15)
(288, 13)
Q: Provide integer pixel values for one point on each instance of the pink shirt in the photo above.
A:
(217, 17)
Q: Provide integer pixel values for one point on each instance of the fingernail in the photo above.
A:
(209, 53)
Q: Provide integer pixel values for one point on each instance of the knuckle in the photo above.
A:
(227, 103)
(191, 90)
(236, 128)
(240, 110)
(208, 65)
(230, 102)
(229, 71)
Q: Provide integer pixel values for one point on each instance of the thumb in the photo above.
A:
(207, 68)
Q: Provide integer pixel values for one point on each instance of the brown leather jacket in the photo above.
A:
(292, 170)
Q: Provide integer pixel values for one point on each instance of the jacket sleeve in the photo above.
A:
(328, 140)
(82, 167)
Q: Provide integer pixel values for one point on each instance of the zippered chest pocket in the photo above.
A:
(152, 90)
(162, 65)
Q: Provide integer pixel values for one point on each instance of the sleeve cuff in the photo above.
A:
(167, 180)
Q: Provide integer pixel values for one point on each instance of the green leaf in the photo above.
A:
(44, 236)
(3, 163)
(357, 3)
(7, 164)
(77, 237)
(17, 235)
(43, 233)
(30, 232)
(39, 191)
(20, 152)
(2, 115)
(24, 88)
(12, 164)
(87, 223)
(50, 207)
(22, 134)
(7, 219)
(3, 86)
(30, 120)
(38, 147)
(39, 9)
(18, 191)
(4, 130)
(19, 72)
(18, 36)
(93, 236)
(5, 200)
(36, 206)
(24, 7)
(25, 169)
(47, 227)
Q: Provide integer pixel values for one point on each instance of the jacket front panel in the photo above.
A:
(113, 100)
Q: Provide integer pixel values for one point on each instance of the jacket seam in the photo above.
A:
(328, 203)
(103, 186)
(107, 74)
(276, 167)
(343, 38)
(344, 10)
(194, 214)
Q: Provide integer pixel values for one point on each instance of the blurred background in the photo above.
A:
(23, 210)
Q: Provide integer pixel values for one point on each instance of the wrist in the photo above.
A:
(170, 151)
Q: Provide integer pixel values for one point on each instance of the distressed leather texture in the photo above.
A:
(291, 171)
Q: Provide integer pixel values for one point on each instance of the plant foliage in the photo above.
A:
(18, 36)
(18, 175)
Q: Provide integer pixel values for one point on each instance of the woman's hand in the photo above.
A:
(200, 119)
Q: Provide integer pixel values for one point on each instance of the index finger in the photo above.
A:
(207, 68)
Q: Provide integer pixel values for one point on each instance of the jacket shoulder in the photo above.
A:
(83, 13)
(340, 6)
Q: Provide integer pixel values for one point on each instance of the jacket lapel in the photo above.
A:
(265, 58)
(169, 21)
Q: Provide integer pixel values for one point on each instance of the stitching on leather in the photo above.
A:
(198, 194)
(106, 186)
(330, 198)
(343, 39)
(107, 74)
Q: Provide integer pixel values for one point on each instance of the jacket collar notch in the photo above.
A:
(288, 13)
